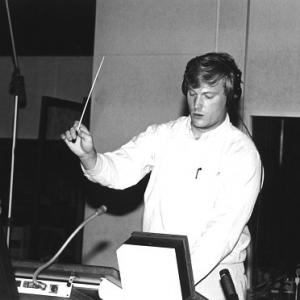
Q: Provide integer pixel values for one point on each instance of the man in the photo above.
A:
(205, 173)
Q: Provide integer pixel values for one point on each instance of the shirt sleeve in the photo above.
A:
(129, 164)
(239, 188)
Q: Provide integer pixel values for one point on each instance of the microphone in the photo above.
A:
(17, 87)
(228, 286)
(42, 285)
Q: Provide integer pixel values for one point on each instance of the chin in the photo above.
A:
(202, 125)
(197, 122)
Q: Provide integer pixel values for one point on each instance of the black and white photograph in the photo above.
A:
(149, 149)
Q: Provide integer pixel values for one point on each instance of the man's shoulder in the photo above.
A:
(240, 140)
(176, 125)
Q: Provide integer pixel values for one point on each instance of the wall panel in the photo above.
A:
(272, 86)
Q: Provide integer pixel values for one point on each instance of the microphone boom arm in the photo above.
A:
(98, 212)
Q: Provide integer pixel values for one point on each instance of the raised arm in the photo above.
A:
(80, 142)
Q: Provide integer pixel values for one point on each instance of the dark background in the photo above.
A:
(48, 27)
(48, 196)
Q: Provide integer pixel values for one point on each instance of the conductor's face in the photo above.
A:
(207, 107)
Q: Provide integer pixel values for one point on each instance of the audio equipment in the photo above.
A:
(227, 285)
(62, 280)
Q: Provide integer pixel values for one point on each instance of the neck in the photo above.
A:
(199, 131)
(196, 133)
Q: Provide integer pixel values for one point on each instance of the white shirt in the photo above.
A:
(203, 188)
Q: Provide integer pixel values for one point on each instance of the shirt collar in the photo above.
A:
(216, 131)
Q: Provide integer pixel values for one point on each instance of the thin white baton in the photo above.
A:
(91, 90)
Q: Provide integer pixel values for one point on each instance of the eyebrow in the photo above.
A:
(205, 92)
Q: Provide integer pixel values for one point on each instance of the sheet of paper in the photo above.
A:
(149, 273)
(110, 291)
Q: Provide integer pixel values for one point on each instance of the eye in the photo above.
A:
(191, 93)
(209, 95)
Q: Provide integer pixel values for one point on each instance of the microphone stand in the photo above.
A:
(17, 88)
(42, 285)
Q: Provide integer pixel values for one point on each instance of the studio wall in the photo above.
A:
(272, 84)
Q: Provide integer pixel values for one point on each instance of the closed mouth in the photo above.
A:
(197, 115)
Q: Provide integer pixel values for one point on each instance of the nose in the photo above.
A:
(198, 103)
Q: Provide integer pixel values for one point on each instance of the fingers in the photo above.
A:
(72, 133)
(67, 138)
(71, 136)
(81, 127)
(80, 142)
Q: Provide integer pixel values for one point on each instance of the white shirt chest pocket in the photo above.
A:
(203, 192)
(206, 183)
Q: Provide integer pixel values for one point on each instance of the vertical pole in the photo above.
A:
(281, 141)
(12, 171)
(217, 25)
(245, 59)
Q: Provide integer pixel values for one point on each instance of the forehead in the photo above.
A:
(216, 87)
